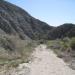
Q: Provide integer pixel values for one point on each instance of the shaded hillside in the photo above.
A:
(16, 21)
(65, 30)
(17, 25)
(18, 29)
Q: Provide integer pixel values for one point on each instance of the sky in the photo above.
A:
(53, 12)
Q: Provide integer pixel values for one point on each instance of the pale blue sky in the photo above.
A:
(54, 12)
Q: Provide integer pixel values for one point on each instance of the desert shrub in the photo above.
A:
(65, 40)
(13, 48)
(72, 43)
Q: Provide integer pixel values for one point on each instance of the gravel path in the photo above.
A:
(45, 63)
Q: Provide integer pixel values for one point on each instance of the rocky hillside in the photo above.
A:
(65, 30)
(16, 21)
(17, 30)
(17, 26)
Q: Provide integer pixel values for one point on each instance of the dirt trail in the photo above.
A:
(45, 63)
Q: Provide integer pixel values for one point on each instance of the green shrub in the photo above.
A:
(72, 43)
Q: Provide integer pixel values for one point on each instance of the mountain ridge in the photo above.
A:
(16, 24)
(62, 31)
(15, 19)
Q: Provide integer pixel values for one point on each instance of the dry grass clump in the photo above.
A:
(14, 51)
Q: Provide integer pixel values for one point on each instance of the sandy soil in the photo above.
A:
(45, 62)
